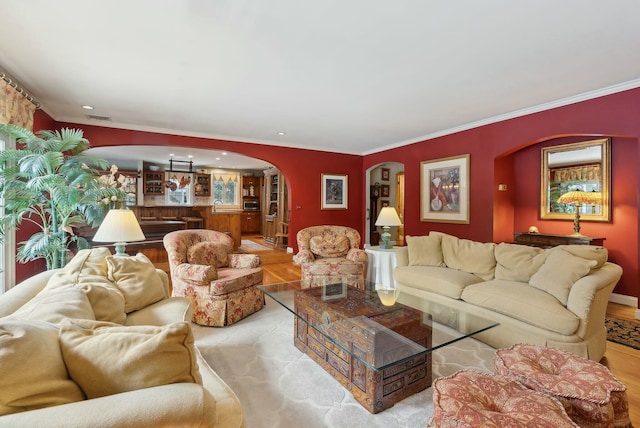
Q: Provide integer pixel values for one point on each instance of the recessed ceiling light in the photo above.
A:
(224, 153)
(217, 158)
(87, 107)
(282, 133)
(171, 154)
(190, 156)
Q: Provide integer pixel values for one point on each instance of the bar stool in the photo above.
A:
(193, 222)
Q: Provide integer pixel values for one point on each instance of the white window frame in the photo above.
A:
(8, 249)
(238, 179)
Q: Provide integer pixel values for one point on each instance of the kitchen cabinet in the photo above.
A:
(153, 183)
(250, 221)
(275, 203)
(203, 185)
(251, 191)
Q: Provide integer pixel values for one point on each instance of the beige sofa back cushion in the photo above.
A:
(590, 252)
(137, 280)
(468, 256)
(425, 250)
(559, 272)
(101, 359)
(88, 272)
(518, 262)
(33, 372)
(54, 306)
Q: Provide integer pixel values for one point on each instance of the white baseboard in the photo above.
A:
(622, 299)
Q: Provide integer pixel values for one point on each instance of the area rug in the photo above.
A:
(278, 386)
(623, 332)
(247, 246)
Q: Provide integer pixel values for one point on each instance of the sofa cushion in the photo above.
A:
(425, 250)
(137, 280)
(589, 252)
(54, 306)
(329, 245)
(87, 270)
(523, 302)
(107, 358)
(32, 371)
(468, 256)
(559, 272)
(517, 262)
(441, 280)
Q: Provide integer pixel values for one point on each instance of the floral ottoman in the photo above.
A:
(591, 395)
(469, 398)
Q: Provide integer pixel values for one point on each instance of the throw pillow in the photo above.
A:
(469, 256)
(589, 252)
(424, 250)
(32, 372)
(329, 246)
(137, 280)
(56, 305)
(559, 272)
(106, 358)
(518, 262)
(87, 270)
(208, 254)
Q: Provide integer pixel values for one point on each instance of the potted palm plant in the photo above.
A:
(50, 181)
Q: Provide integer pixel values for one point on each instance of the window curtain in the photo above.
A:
(15, 108)
(225, 177)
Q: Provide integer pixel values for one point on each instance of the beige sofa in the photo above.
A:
(553, 297)
(69, 334)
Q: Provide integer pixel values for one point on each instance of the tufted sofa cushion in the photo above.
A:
(470, 398)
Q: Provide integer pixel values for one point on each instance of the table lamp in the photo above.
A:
(388, 217)
(578, 197)
(119, 226)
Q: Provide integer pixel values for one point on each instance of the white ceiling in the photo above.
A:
(350, 76)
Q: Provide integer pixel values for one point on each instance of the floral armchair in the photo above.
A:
(330, 253)
(221, 286)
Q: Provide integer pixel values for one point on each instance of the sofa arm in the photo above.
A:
(196, 274)
(584, 291)
(402, 256)
(21, 293)
(178, 404)
(303, 256)
(244, 261)
(164, 312)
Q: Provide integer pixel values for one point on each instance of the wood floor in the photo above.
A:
(623, 361)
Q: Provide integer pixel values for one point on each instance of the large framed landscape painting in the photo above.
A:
(334, 192)
(444, 190)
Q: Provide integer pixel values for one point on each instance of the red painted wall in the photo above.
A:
(506, 152)
(509, 152)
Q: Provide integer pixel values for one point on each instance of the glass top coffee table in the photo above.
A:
(377, 349)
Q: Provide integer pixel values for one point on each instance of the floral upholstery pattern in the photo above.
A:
(591, 395)
(317, 259)
(222, 292)
(470, 398)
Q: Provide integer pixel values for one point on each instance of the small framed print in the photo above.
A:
(444, 190)
(334, 291)
(334, 192)
(385, 174)
(384, 190)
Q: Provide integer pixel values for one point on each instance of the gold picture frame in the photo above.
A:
(444, 190)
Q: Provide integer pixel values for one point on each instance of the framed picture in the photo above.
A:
(385, 174)
(384, 190)
(444, 190)
(384, 203)
(334, 291)
(334, 192)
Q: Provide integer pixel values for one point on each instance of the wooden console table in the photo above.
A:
(548, 241)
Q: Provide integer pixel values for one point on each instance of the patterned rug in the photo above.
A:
(247, 246)
(278, 386)
(623, 332)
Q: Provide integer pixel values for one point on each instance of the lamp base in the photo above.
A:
(386, 236)
(120, 248)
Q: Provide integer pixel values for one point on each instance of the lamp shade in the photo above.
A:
(579, 197)
(388, 217)
(119, 225)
